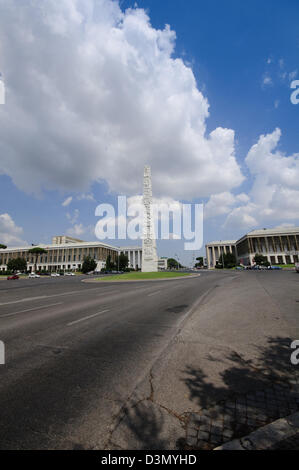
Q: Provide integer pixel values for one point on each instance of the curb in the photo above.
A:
(142, 280)
(267, 436)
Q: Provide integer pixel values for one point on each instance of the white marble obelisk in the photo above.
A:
(149, 250)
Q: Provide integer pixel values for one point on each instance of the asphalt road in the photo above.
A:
(76, 351)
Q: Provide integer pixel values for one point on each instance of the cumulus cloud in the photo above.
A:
(275, 191)
(73, 217)
(293, 75)
(222, 203)
(267, 80)
(77, 230)
(10, 233)
(94, 93)
(85, 197)
(67, 201)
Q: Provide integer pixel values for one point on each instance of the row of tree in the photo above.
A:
(121, 263)
(228, 260)
(20, 264)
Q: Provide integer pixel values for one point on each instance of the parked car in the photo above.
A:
(69, 274)
(13, 276)
(297, 267)
(55, 274)
(276, 268)
(33, 275)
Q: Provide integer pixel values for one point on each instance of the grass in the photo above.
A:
(285, 265)
(133, 276)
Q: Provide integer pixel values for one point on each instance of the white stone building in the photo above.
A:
(215, 250)
(279, 245)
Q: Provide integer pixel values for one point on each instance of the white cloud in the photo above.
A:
(10, 233)
(77, 230)
(100, 95)
(85, 197)
(67, 201)
(267, 80)
(284, 225)
(242, 218)
(275, 191)
(293, 75)
(281, 63)
(222, 203)
(73, 217)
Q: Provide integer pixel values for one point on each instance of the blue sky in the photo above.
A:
(243, 56)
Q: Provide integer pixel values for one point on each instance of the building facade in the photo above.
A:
(134, 254)
(280, 246)
(68, 256)
(162, 263)
(67, 253)
(215, 250)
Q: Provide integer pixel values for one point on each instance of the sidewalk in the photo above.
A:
(226, 374)
(282, 434)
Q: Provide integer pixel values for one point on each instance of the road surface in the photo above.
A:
(76, 351)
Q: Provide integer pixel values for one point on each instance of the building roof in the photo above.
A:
(272, 231)
(60, 246)
(222, 242)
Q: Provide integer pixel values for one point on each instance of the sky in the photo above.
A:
(200, 91)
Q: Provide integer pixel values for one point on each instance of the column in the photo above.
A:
(208, 256)
(134, 264)
(214, 257)
(139, 258)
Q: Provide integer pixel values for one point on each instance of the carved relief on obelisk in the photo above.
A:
(149, 250)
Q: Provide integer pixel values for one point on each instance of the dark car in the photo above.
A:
(14, 276)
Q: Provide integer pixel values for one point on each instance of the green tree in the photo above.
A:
(121, 262)
(88, 265)
(36, 252)
(2, 247)
(229, 260)
(173, 263)
(200, 262)
(261, 260)
(109, 263)
(17, 264)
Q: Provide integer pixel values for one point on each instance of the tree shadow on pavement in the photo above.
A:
(252, 394)
(141, 427)
(271, 364)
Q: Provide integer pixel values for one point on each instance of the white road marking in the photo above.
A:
(85, 291)
(23, 300)
(154, 293)
(87, 318)
(29, 310)
(49, 296)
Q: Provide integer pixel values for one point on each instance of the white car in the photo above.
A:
(55, 275)
(69, 274)
(33, 275)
